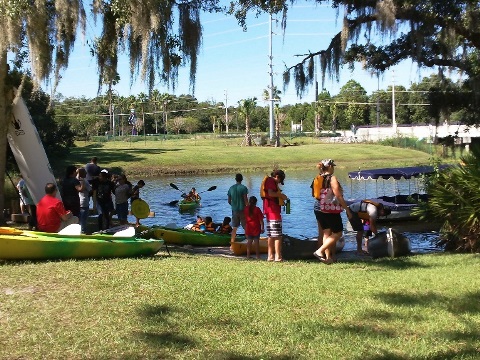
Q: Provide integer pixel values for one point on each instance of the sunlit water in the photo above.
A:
(299, 223)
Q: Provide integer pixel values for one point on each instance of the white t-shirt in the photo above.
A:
(85, 194)
(370, 209)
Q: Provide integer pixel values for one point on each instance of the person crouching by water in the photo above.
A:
(272, 199)
(51, 214)
(366, 211)
(254, 225)
(329, 203)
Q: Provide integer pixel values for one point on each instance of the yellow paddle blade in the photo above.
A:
(140, 209)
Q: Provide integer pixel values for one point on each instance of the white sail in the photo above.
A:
(29, 151)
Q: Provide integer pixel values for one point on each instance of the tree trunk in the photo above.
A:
(4, 121)
(248, 137)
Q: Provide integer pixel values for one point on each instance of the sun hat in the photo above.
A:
(328, 162)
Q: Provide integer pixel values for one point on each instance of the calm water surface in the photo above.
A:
(301, 220)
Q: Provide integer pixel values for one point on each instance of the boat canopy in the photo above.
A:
(396, 173)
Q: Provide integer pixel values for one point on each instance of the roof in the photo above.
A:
(396, 173)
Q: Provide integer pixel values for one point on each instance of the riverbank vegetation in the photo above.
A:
(197, 307)
(455, 200)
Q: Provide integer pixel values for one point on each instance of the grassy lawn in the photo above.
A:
(154, 158)
(200, 307)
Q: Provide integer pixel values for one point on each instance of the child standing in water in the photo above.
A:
(254, 225)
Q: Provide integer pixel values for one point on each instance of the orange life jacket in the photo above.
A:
(225, 229)
(264, 194)
(210, 227)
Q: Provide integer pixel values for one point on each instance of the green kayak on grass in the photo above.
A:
(33, 245)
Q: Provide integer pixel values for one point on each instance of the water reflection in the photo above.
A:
(299, 223)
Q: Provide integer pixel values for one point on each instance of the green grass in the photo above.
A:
(185, 156)
(199, 307)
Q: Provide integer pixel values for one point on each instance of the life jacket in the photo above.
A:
(210, 227)
(363, 213)
(225, 229)
(317, 186)
(199, 226)
(322, 191)
(263, 193)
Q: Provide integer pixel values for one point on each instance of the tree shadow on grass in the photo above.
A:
(400, 263)
(162, 335)
(82, 156)
(158, 317)
(460, 307)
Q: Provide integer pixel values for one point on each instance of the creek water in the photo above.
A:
(299, 223)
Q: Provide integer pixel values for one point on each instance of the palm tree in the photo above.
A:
(155, 98)
(275, 95)
(246, 109)
(165, 99)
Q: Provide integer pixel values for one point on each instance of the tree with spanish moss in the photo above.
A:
(379, 34)
(43, 33)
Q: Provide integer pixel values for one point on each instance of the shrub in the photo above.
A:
(455, 201)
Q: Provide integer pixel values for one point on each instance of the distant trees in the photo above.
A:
(422, 103)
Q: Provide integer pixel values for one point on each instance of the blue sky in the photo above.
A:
(233, 64)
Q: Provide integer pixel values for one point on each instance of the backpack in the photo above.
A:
(328, 201)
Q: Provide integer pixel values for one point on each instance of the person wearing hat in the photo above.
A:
(273, 198)
(329, 203)
(366, 210)
(238, 200)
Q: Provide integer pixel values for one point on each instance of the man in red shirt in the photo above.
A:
(51, 214)
(272, 211)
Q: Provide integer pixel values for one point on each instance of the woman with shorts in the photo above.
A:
(329, 203)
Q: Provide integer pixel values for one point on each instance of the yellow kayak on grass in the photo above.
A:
(240, 247)
(33, 245)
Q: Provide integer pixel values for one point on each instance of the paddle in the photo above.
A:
(173, 203)
(176, 188)
(209, 189)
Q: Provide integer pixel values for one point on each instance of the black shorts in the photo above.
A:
(356, 222)
(94, 183)
(329, 221)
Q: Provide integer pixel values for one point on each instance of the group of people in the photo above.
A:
(110, 192)
(81, 184)
(246, 213)
(328, 205)
(207, 225)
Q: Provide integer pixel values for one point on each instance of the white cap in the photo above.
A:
(104, 171)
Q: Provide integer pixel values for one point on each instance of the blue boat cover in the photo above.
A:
(396, 173)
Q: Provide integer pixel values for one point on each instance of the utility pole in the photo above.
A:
(270, 92)
(394, 122)
(226, 112)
